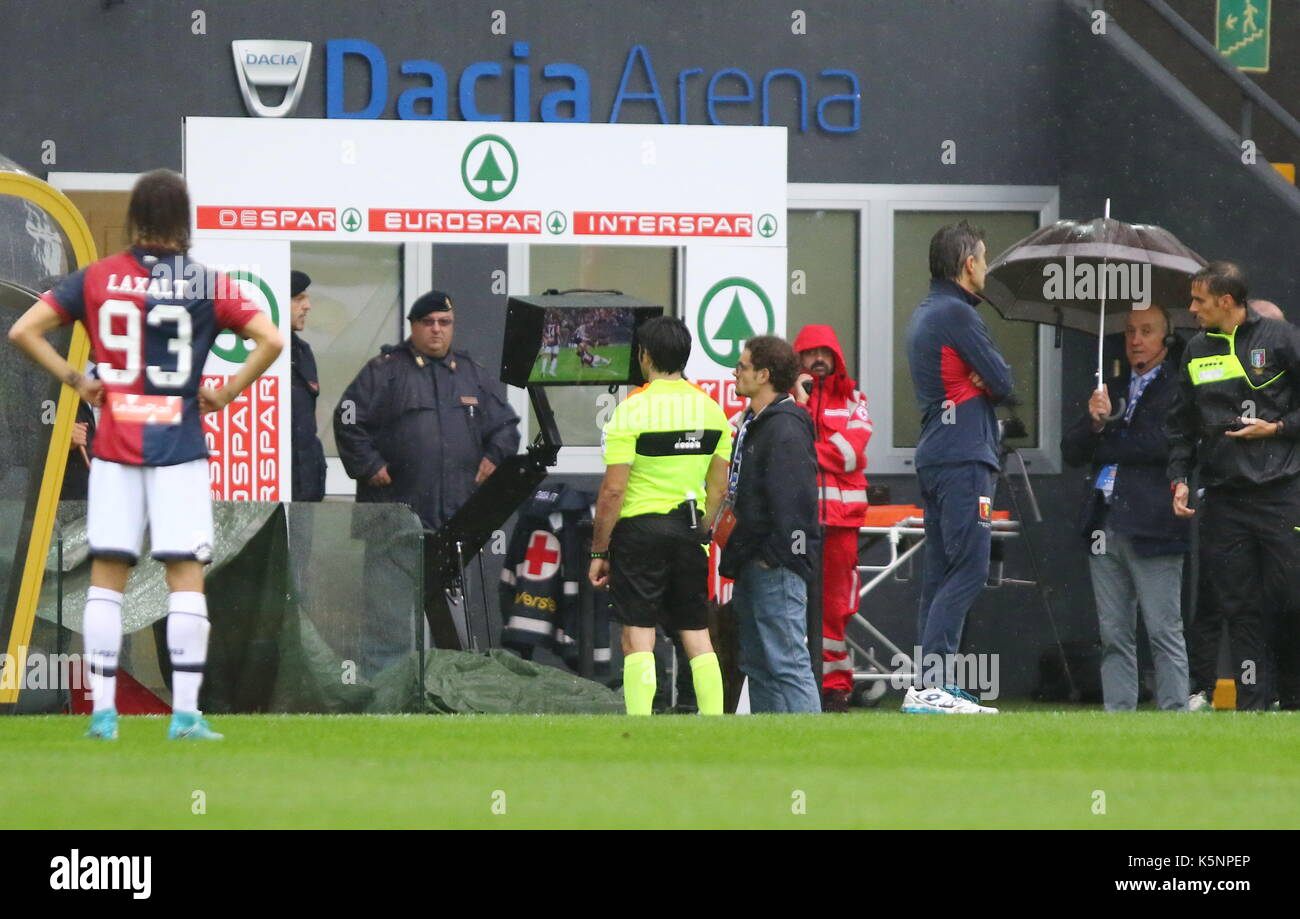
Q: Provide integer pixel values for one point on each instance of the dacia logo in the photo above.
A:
(274, 64)
(277, 60)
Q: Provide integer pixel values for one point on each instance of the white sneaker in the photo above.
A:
(1198, 702)
(943, 702)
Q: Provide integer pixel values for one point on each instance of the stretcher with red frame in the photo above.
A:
(902, 529)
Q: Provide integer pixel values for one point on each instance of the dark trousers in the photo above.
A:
(1204, 634)
(1250, 559)
(957, 541)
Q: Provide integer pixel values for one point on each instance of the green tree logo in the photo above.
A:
(728, 298)
(489, 168)
(352, 220)
(556, 222)
(229, 346)
(767, 226)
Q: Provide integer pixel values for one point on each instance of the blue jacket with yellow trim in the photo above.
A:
(540, 582)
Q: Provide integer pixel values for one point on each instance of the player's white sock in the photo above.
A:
(187, 639)
(102, 630)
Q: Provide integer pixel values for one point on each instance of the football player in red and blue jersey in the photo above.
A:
(152, 315)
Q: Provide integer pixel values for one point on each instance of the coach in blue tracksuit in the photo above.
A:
(959, 376)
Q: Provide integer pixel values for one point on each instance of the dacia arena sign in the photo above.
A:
(554, 91)
(831, 98)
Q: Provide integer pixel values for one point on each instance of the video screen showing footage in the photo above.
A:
(585, 345)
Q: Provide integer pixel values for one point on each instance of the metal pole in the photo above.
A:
(58, 621)
(464, 597)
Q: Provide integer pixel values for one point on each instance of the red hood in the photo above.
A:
(823, 336)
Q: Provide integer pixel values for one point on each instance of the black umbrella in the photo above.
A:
(1088, 275)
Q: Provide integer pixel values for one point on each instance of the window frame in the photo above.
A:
(876, 206)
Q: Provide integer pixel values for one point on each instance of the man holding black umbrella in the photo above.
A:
(1136, 543)
(1237, 420)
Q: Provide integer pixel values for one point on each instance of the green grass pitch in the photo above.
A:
(569, 369)
(877, 769)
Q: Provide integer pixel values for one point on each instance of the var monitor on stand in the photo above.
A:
(557, 338)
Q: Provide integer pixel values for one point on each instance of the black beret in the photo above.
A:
(298, 282)
(435, 301)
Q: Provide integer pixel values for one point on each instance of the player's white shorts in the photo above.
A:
(175, 501)
(551, 350)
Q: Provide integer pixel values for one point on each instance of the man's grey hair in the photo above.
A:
(1164, 314)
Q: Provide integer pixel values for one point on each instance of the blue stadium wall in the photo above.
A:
(1020, 84)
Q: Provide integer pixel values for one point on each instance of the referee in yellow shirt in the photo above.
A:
(667, 449)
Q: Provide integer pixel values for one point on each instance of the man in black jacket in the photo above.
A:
(1237, 420)
(308, 454)
(771, 551)
(1137, 543)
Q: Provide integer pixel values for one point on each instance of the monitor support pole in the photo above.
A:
(451, 548)
(546, 446)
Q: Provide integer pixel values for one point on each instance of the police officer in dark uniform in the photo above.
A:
(1237, 420)
(308, 454)
(422, 424)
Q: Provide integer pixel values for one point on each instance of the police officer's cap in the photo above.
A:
(298, 282)
(435, 301)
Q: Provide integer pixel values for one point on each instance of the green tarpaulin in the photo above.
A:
(296, 595)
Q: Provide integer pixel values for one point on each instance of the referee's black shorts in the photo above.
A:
(659, 573)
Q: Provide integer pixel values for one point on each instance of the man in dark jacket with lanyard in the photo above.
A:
(1136, 542)
(959, 375)
(422, 424)
(776, 542)
(1237, 420)
(308, 454)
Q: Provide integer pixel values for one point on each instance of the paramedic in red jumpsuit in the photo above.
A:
(843, 427)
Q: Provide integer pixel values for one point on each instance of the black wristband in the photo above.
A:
(596, 555)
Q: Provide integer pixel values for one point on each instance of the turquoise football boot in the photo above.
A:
(191, 726)
(103, 725)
